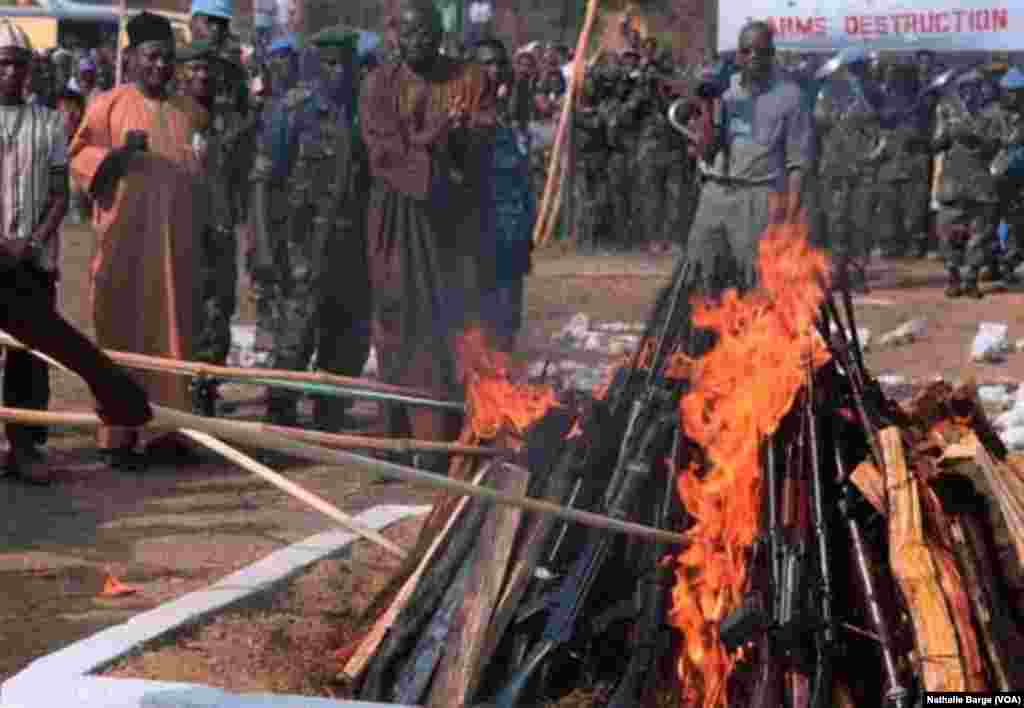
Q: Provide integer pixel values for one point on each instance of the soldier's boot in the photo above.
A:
(331, 414)
(970, 288)
(1008, 272)
(282, 410)
(919, 247)
(955, 287)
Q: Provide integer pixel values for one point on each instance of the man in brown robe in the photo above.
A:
(134, 156)
(427, 262)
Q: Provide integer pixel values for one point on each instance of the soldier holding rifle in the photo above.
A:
(847, 118)
(967, 194)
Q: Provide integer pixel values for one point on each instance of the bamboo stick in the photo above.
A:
(296, 491)
(183, 367)
(244, 434)
(366, 442)
(549, 212)
(122, 11)
(332, 440)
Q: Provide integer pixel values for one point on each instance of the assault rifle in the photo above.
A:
(653, 418)
(798, 612)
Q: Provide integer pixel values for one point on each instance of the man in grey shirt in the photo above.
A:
(755, 176)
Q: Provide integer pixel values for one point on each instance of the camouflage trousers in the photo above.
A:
(664, 203)
(902, 225)
(620, 187)
(592, 202)
(218, 294)
(1011, 204)
(849, 215)
(286, 309)
(967, 235)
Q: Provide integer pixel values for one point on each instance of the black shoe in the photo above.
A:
(436, 462)
(28, 466)
(124, 459)
(283, 414)
(171, 450)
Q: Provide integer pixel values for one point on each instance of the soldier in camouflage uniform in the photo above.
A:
(903, 183)
(1008, 167)
(300, 175)
(343, 313)
(660, 168)
(967, 194)
(623, 132)
(846, 114)
(220, 149)
(592, 199)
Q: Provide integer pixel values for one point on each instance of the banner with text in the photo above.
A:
(897, 25)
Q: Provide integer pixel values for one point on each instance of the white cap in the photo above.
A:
(12, 36)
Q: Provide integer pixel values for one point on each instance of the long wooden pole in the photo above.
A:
(365, 442)
(121, 25)
(243, 434)
(194, 368)
(550, 202)
(358, 442)
(290, 487)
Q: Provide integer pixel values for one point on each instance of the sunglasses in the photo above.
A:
(760, 52)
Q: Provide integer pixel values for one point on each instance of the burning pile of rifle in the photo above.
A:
(886, 553)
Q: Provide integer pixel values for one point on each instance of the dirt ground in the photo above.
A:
(173, 530)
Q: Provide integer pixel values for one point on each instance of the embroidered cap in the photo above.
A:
(213, 8)
(147, 27)
(14, 37)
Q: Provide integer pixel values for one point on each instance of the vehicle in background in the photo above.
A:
(73, 25)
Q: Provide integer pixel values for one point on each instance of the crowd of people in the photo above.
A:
(390, 200)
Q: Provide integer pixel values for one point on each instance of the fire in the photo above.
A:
(741, 391)
(493, 402)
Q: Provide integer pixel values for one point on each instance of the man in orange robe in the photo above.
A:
(134, 156)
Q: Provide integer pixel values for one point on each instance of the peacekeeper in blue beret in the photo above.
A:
(1008, 167)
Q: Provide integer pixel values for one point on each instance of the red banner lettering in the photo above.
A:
(929, 22)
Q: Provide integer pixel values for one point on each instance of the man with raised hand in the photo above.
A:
(134, 155)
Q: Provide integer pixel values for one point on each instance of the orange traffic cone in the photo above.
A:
(113, 587)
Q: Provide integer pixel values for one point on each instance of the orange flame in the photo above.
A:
(493, 403)
(741, 391)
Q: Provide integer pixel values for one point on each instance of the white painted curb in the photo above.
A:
(62, 679)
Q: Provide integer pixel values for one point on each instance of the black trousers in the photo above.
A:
(27, 378)
(28, 314)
